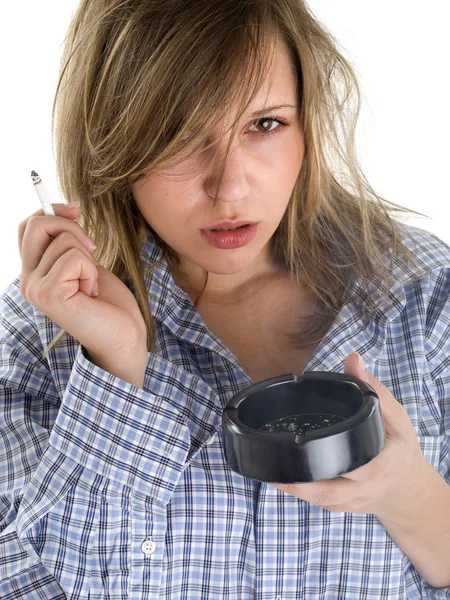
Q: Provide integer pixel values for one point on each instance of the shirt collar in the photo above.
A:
(353, 330)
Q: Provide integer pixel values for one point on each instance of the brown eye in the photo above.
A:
(266, 124)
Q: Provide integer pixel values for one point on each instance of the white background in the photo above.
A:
(399, 49)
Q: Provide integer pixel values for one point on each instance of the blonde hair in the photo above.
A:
(138, 75)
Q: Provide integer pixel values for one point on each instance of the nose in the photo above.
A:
(234, 186)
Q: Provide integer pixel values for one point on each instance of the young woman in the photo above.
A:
(176, 118)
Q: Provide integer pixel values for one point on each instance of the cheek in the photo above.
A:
(152, 196)
(294, 151)
(290, 170)
(165, 207)
(280, 172)
(283, 159)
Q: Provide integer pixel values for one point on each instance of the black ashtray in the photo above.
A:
(292, 429)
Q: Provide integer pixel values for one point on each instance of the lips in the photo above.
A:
(229, 240)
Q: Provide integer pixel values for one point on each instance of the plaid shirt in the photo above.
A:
(112, 492)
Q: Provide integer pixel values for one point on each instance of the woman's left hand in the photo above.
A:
(397, 475)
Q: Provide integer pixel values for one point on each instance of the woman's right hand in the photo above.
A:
(59, 276)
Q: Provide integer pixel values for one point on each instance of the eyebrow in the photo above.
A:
(264, 111)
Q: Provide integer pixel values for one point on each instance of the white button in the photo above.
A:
(212, 440)
(148, 547)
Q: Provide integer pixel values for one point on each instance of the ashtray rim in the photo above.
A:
(369, 399)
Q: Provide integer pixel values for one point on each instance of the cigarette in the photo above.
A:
(42, 193)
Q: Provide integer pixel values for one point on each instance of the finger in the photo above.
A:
(73, 272)
(62, 244)
(323, 493)
(68, 211)
(393, 412)
(38, 235)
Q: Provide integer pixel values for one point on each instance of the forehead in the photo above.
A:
(280, 85)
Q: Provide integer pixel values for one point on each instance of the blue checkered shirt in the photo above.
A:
(112, 492)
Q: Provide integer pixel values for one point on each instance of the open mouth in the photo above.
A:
(231, 228)
(228, 238)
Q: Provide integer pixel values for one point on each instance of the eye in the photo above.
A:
(265, 122)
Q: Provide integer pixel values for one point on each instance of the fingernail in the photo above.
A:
(89, 243)
(361, 362)
(73, 205)
(95, 290)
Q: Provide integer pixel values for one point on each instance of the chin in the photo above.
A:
(227, 265)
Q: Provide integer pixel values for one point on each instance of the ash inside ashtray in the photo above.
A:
(300, 424)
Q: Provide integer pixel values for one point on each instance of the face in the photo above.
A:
(259, 176)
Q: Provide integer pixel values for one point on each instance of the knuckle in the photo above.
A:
(41, 289)
(65, 237)
(32, 221)
(39, 296)
(75, 252)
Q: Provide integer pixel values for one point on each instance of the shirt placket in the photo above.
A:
(148, 532)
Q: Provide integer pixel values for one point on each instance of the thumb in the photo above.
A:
(354, 365)
(393, 413)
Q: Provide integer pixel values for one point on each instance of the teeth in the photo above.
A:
(229, 229)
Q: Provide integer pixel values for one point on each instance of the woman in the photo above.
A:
(115, 483)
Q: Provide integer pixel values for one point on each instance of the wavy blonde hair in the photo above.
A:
(138, 75)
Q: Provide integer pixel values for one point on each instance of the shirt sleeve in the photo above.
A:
(77, 464)
(437, 348)
(121, 432)
(24, 422)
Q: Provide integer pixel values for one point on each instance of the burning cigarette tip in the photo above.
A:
(35, 177)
